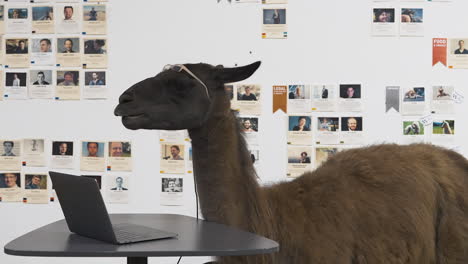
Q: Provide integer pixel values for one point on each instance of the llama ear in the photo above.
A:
(230, 75)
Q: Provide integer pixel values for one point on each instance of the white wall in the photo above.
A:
(329, 42)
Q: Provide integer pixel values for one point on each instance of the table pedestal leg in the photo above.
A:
(137, 260)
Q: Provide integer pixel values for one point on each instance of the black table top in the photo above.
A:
(196, 238)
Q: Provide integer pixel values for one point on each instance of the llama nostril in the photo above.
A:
(125, 98)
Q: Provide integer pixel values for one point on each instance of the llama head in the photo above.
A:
(179, 97)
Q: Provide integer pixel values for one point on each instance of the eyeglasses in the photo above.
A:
(181, 67)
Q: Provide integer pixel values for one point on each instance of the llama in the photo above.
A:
(377, 204)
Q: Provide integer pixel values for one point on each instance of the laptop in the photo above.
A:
(86, 213)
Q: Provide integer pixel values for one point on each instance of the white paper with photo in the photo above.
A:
(458, 53)
(67, 85)
(95, 53)
(17, 52)
(62, 154)
(324, 98)
(35, 188)
(43, 19)
(16, 87)
(18, 19)
(250, 126)
(352, 130)
(172, 191)
(94, 19)
(274, 23)
(413, 131)
(117, 188)
(299, 160)
(327, 130)
(322, 154)
(412, 22)
(172, 135)
(172, 158)
(95, 85)
(41, 84)
(299, 129)
(93, 156)
(68, 18)
(249, 99)
(443, 131)
(414, 101)
(350, 98)
(442, 102)
(42, 51)
(384, 21)
(34, 152)
(10, 155)
(299, 99)
(120, 156)
(11, 187)
(68, 52)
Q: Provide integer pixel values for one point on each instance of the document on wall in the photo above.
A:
(442, 99)
(392, 98)
(67, 85)
(11, 187)
(43, 19)
(327, 130)
(95, 53)
(414, 101)
(68, 18)
(172, 135)
(274, 23)
(120, 156)
(10, 155)
(68, 52)
(34, 152)
(299, 99)
(299, 160)
(42, 51)
(62, 155)
(322, 154)
(324, 98)
(412, 21)
(95, 86)
(352, 130)
(94, 19)
(350, 98)
(457, 53)
(248, 97)
(16, 86)
(413, 131)
(18, 19)
(41, 84)
(17, 53)
(35, 188)
(172, 158)
(250, 125)
(118, 187)
(299, 130)
(92, 156)
(383, 21)
(172, 191)
(443, 131)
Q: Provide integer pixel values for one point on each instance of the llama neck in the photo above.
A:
(224, 173)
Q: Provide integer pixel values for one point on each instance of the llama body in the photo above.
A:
(380, 204)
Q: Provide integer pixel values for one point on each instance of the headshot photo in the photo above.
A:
(120, 149)
(274, 16)
(17, 13)
(17, 79)
(172, 185)
(299, 155)
(10, 180)
(248, 93)
(68, 45)
(95, 78)
(41, 45)
(229, 89)
(92, 149)
(442, 92)
(10, 148)
(119, 184)
(323, 154)
(97, 178)
(16, 46)
(413, 128)
(443, 127)
(351, 124)
(43, 13)
(460, 46)
(349, 91)
(384, 15)
(248, 124)
(62, 148)
(40, 77)
(94, 13)
(68, 78)
(416, 94)
(35, 182)
(298, 92)
(95, 46)
(299, 123)
(330, 124)
(68, 12)
(172, 152)
(411, 15)
(33, 146)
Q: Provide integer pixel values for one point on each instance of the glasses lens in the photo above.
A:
(177, 68)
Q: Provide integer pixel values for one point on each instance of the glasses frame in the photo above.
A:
(180, 68)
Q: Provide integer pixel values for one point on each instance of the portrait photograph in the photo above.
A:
(92, 149)
(17, 13)
(172, 185)
(43, 13)
(120, 149)
(299, 123)
(229, 89)
(10, 180)
(172, 152)
(35, 182)
(95, 78)
(413, 128)
(330, 124)
(95, 46)
(351, 124)
(248, 92)
(384, 15)
(10, 148)
(248, 124)
(62, 148)
(411, 15)
(119, 184)
(442, 92)
(33, 146)
(458, 46)
(40, 77)
(94, 13)
(41, 45)
(323, 154)
(298, 92)
(68, 12)
(274, 16)
(16, 46)
(348, 91)
(299, 155)
(68, 45)
(68, 78)
(443, 127)
(97, 178)
(17, 79)
(416, 94)
(323, 92)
